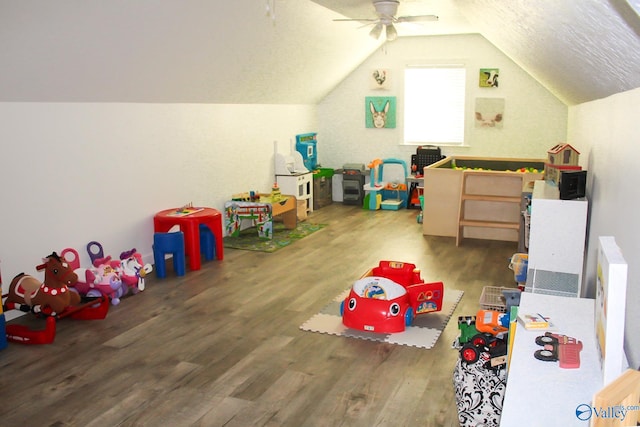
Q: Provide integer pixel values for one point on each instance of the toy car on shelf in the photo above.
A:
(559, 348)
(387, 298)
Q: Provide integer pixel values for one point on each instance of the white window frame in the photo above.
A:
(434, 104)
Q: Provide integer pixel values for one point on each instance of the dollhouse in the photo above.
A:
(562, 157)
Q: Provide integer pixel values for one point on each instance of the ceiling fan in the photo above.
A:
(386, 11)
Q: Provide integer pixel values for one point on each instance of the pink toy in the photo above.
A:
(133, 271)
(102, 279)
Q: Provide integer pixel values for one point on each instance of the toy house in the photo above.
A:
(562, 157)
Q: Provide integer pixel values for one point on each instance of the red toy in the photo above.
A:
(52, 298)
(560, 348)
(387, 298)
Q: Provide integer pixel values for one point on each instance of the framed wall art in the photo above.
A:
(489, 77)
(380, 112)
(379, 79)
(489, 113)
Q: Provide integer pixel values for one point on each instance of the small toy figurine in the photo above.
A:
(276, 195)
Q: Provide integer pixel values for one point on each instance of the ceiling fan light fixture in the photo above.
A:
(392, 34)
(386, 7)
(376, 30)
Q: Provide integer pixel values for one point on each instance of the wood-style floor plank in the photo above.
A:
(222, 346)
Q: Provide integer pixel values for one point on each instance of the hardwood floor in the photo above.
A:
(222, 346)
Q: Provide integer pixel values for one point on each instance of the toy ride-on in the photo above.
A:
(53, 299)
(387, 298)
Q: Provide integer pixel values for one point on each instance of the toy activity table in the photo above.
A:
(261, 214)
(189, 224)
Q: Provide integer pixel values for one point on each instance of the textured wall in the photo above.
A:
(606, 134)
(534, 119)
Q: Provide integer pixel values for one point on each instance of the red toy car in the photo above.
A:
(387, 298)
(559, 348)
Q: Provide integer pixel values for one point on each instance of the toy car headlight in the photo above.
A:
(352, 304)
(394, 309)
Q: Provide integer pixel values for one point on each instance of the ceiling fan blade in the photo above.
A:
(392, 34)
(376, 30)
(357, 20)
(417, 18)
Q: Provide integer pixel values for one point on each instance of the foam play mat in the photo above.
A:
(423, 333)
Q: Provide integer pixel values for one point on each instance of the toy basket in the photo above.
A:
(492, 299)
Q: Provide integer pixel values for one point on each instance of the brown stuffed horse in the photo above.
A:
(51, 297)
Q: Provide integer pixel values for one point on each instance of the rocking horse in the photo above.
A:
(50, 297)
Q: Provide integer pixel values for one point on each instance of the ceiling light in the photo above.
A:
(386, 7)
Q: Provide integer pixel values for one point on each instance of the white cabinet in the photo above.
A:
(298, 185)
(556, 242)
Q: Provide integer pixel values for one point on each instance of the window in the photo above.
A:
(434, 100)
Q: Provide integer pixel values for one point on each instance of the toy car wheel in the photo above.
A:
(545, 355)
(545, 339)
(408, 317)
(469, 353)
(479, 340)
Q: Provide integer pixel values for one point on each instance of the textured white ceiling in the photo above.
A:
(220, 51)
(579, 49)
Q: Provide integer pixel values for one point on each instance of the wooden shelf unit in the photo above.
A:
(490, 200)
(442, 191)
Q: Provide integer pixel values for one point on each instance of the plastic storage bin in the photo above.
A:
(519, 264)
(492, 299)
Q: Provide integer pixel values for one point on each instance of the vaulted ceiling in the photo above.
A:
(289, 51)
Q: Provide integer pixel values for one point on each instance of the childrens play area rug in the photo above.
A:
(424, 332)
(249, 240)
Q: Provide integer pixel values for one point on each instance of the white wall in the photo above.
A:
(71, 173)
(606, 133)
(534, 119)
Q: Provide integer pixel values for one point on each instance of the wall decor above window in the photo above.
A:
(489, 77)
